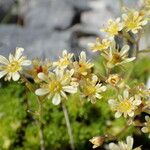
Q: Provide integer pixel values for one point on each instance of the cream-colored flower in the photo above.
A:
(142, 91)
(39, 66)
(56, 85)
(100, 45)
(123, 146)
(133, 21)
(113, 27)
(92, 89)
(125, 105)
(83, 67)
(63, 61)
(115, 80)
(115, 57)
(146, 128)
(14, 65)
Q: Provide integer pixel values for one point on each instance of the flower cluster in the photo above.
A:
(133, 21)
(56, 79)
(128, 102)
(70, 75)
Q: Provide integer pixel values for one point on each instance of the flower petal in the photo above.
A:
(98, 96)
(70, 89)
(56, 99)
(15, 76)
(41, 91)
(2, 73)
(124, 50)
(137, 102)
(11, 57)
(147, 118)
(18, 53)
(83, 56)
(126, 94)
(113, 146)
(103, 88)
(118, 114)
(144, 130)
(129, 142)
(3, 60)
(26, 63)
(42, 76)
(111, 102)
(131, 113)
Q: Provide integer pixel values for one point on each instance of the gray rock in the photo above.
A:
(47, 13)
(37, 43)
(97, 17)
(5, 5)
(80, 5)
(50, 25)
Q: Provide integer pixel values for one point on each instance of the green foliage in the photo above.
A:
(19, 130)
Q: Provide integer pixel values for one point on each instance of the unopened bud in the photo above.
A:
(97, 141)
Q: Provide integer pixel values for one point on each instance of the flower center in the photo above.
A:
(55, 86)
(14, 66)
(116, 58)
(113, 81)
(113, 30)
(90, 90)
(124, 106)
(82, 68)
(132, 24)
(64, 62)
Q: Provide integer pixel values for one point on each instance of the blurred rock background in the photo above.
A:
(46, 27)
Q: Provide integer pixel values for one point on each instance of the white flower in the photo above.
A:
(134, 21)
(113, 27)
(56, 85)
(146, 128)
(92, 89)
(14, 65)
(63, 61)
(123, 146)
(115, 80)
(114, 57)
(100, 45)
(83, 66)
(126, 105)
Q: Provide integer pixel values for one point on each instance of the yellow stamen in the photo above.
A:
(55, 86)
(14, 66)
(124, 106)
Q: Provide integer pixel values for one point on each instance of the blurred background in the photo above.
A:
(45, 28)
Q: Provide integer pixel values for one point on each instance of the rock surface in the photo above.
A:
(53, 25)
(37, 43)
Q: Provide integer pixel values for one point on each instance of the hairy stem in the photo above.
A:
(137, 44)
(68, 126)
(40, 124)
